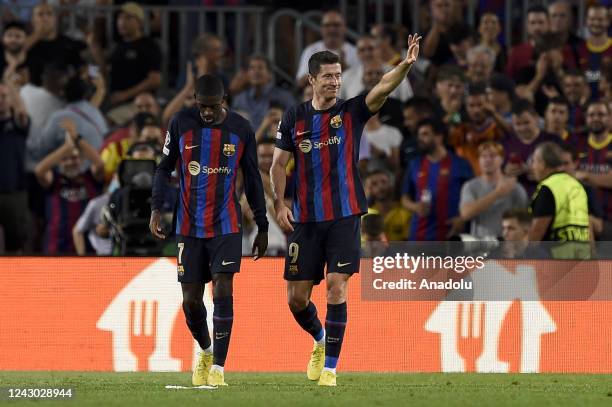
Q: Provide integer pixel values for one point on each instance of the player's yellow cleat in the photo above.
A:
(316, 362)
(328, 378)
(216, 378)
(200, 373)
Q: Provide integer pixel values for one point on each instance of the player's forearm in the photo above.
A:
(79, 242)
(278, 178)
(160, 183)
(392, 79)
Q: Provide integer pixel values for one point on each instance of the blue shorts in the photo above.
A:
(198, 259)
(313, 245)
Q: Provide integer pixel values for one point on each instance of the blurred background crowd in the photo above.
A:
(88, 88)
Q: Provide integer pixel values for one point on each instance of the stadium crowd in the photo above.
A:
(451, 152)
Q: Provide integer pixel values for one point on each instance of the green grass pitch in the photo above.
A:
(292, 389)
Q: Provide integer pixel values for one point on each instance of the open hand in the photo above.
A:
(413, 48)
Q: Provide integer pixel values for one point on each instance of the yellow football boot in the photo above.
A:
(200, 373)
(328, 378)
(316, 362)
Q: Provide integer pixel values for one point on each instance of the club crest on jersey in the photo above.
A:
(193, 167)
(305, 145)
(336, 121)
(229, 150)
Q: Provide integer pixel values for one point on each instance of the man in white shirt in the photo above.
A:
(333, 29)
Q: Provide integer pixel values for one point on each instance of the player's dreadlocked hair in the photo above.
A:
(209, 85)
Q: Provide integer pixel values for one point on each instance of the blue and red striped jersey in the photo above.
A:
(443, 180)
(209, 158)
(325, 144)
(65, 201)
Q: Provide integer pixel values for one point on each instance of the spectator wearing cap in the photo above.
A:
(489, 29)
(522, 55)
(13, 45)
(134, 63)
(333, 29)
(596, 51)
(256, 98)
(449, 90)
(89, 121)
(485, 198)
(482, 124)
(460, 40)
(46, 44)
(480, 64)
(500, 94)
(353, 78)
(114, 152)
(14, 124)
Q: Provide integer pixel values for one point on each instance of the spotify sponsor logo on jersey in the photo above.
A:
(195, 168)
(307, 145)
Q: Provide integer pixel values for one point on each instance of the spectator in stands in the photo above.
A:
(152, 134)
(449, 90)
(355, 80)
(89, 121)
(373, 239)
(69, 188)
(576, 90)
(595, 162)
(256, 98)
(14, 123)
(515, 227)
(480, 64)
(435, 46)
(500, 94)
(416, 109)
(482, 125)
(90, 223)
(522, 143)
(134, 63)
(556, 118)
(432, 185)
(522, 55)
(384, 141)
(13, 46)
(185, 98)
(41, 103)
(597, 48)
(116, 150)
(379, 188)
(485, 198)
(391, 111)
(277, 241)
(385, 38)
(561, 24)
(269, 125)
(46, 45)
(208, 52)
(489, 29)
(333, 29)
(460, 40)
(605, 84)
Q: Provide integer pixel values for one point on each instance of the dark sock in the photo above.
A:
(196, 322)
(223, 317)
(335, 323)
(308, 320)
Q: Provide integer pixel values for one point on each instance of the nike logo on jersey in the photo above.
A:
(343, 264)
(190, 147)
(227, 263)
(301, 133)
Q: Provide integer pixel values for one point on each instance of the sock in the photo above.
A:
(217, 367)
(308, 320)
(209, 349)
(335, 323)
(223, 317)
(196, 322)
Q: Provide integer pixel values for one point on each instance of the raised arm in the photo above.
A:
(391, 80)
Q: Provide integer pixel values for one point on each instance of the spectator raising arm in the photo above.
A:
(178, 101)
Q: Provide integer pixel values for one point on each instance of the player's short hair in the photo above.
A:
(209, 86)
(551, 154)
(477, 89)
(15, 25)
(436, 125)
(520, 214)
(498, 148)
(321, 58)
(521, 106)
(537, 8)
(558, 100)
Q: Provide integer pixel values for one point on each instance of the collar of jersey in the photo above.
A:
(601, 48)
(602, 144)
